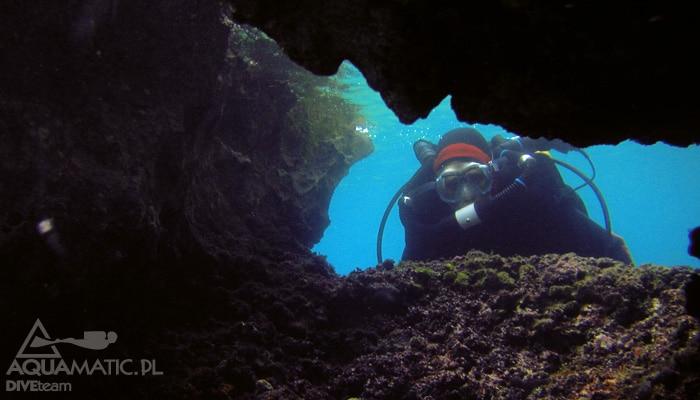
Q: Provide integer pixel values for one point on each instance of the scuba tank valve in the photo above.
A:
(425, 152)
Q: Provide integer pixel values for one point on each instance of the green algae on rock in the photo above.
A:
(531, 336)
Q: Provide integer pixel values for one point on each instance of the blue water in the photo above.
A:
(651, 191)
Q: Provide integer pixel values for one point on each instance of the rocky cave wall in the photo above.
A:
(588, 72)
(187, 167)
(164, 143)
(161, 128)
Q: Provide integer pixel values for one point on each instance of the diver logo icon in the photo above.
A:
(30, 341)
(93, 340)
(38, 356)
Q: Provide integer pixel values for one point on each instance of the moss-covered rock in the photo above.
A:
(537, 336)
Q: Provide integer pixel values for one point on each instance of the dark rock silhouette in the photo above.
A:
(694, 247)
(692, 295)
(586, 72)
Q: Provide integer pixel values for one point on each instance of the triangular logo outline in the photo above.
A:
(30, 336)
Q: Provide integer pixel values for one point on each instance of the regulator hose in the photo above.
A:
(598, 194)
(590, 162)
(387, 211)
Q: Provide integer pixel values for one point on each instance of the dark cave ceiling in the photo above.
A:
(589, 72)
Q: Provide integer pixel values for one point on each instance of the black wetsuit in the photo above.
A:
(547, 217)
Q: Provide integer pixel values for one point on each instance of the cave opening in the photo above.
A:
(165, 171)
(649, 189)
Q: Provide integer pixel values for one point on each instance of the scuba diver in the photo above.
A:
(506, 197)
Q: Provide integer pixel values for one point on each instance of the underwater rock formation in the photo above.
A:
(167, 135)
(164, 172)
(588, 72)
(145, 145)
(694, 247)
(476, 326)
(482, 326)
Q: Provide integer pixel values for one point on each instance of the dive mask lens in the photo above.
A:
(463, 182)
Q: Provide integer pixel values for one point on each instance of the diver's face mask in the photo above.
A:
(461, 182)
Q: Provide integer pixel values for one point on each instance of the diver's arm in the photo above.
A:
(423, 216)
(549, 192)
(586, 238)
(421, 232)
(617, 249)
(534, 187)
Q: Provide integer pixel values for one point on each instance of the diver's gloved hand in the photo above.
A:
(540, 179)
(523, 177)
(507, 166)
